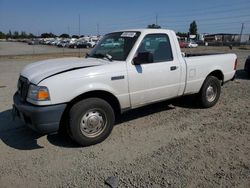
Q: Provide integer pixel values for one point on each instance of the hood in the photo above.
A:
(40, 70)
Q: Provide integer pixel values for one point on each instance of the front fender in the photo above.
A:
(65, 87)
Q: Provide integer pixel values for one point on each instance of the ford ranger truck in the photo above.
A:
(126, 70)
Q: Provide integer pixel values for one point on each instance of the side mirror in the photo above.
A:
(143, 58)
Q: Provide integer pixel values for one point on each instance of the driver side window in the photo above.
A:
(158, 45)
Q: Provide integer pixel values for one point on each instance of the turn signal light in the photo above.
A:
(42, 95)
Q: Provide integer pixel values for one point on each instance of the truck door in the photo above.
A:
(158, 80)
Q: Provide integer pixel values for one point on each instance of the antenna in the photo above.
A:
(156, 19)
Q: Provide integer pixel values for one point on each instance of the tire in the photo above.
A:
(91, 121)
(210, 92)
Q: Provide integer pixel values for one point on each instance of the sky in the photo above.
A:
(103, 16)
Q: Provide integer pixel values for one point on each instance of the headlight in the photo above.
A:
(38, 93)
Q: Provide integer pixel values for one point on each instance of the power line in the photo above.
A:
(212, 20)
(204, 12)
(215, 6)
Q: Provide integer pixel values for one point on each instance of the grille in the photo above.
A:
(23, 87)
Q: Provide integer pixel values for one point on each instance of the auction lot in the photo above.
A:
(169, 144)
(19, 48)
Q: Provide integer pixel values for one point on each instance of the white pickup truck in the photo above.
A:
(86, 94)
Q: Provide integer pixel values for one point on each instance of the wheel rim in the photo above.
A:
(93, 123)
(211, 93)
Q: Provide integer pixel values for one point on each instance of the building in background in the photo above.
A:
(226, 39)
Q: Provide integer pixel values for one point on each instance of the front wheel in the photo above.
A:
(210, 92)
(91, 121)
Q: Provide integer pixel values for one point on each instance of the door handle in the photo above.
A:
(173, 68)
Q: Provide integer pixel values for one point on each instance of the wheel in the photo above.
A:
(91, 121)
(210, 92)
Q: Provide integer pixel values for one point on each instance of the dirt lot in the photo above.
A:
(169, 144)
(20, 48)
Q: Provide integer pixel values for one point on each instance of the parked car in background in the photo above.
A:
(73, 44)
(83, 44)
(247, 66)
(92, 42)
(192, 44)
(182, 44)
(63, 43)
(33, 42)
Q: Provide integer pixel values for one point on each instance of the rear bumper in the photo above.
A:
(233, 77)
(43, 119)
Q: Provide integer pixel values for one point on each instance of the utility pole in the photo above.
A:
(79, 32)
(97, 27)
(241, 31)
(68, 30)
(156, 19)
(79, 25)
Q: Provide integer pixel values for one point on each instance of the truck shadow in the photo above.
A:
(144, 111)
(241, 74)
(16, 135)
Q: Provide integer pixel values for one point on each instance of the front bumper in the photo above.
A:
(43, 119)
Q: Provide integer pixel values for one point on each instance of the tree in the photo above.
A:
(75, 36)
(182, 34)
(16, 35)
(30, 36)
(154, 26)
(9, 34)
(2, 35)
(47, 35)
(193, 28)
(23, 35)
(64, 35)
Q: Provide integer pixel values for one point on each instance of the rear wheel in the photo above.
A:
(210, 92)
(91, 121)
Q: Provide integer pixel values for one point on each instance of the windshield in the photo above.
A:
(115, 45)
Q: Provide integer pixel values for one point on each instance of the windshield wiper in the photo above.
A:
(99, 55)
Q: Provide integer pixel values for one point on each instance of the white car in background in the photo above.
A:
(92, 42)
(192, 45)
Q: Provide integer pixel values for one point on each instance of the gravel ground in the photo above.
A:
(20, 48)
(168, 144)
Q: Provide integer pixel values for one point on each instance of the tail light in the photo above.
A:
(235, 64)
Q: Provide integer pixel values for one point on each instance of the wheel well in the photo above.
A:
(110, 98)
(218, 74)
